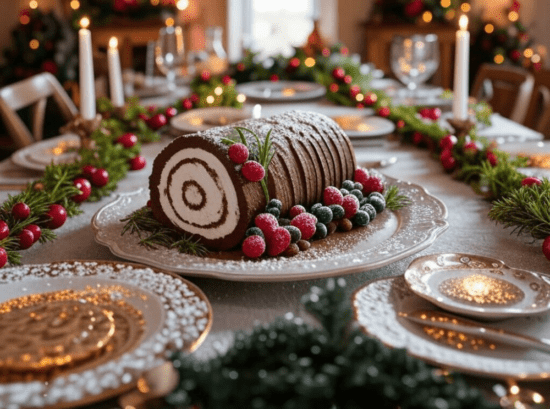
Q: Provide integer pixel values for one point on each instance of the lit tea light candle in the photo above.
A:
(86, 66)
(482, 290)
(462, 60)
(115, 73)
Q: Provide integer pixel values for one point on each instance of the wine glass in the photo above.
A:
(169, 53)
(414, 59)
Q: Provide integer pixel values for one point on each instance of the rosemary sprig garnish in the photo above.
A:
(152, 233)
(394, 200)
(264, 151)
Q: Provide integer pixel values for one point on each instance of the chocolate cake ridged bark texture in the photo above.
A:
(197, 189)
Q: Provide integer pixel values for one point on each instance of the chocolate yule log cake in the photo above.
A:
(196, 188)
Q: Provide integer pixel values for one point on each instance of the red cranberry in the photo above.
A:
(187, 104)
(57, 216)
(88, 171)
(143, 117)
(127, 140)
(3, 257)
(157, 121)
(26, 239)
(205, 76)
(85, 188)
(4, 230)
(100, 177)
(35, 230)
(170, 112)
(338, 73)
(20, 211)
(137, 163)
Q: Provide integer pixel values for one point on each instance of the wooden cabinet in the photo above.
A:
(378, 38)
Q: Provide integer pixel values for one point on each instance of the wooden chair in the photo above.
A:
(538, 113)
(507, 89)
(32, 92)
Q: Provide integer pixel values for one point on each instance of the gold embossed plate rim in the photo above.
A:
(417, 227)
(376, 306)
(177, 297)
(535, 286)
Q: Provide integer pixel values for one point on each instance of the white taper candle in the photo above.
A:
(462, 60)
(115, 74)
(86, 64)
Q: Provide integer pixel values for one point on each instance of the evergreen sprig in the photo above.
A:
(395, 200)
(525, 210)
(289, 364)
(152, 233)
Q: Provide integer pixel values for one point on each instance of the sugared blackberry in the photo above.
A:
(348, 184)
(323, 214)
(274, 211)
(358, 194)
(315, 206)
(378, 203)
(344, 192)
(361, 218)
(284, 222)
(295, 233)
(371, 211)
(275, 203)
(358, 186)
(254, 231)
(320, 231)
(337, 211)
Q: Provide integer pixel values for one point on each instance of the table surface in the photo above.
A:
(240, 305)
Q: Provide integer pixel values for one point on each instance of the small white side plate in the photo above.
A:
(359, 126)
(282, 91)
(478, 286)
(204, 118)
(57, 150)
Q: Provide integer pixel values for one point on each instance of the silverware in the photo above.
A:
(442, 320)
(383, 163)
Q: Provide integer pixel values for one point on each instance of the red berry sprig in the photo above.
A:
(100, 177)
(137, 163)
(20, 211)
(127, 140)
(85, 189)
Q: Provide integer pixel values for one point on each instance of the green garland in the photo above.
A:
(57, 184)
(288, 364)
(331, 67)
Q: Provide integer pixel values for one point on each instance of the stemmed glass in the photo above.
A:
(169, 53)
(414, 59)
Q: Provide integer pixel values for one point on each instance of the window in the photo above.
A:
(270, 27)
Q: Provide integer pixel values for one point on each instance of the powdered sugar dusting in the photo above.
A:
(390, 237)
(185, 316)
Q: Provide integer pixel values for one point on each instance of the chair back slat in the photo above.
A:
(32, 92)
(511, 87)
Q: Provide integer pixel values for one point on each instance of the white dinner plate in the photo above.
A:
(378, 305)
(152, 311)
(282, 91)
(57, 150)
(360, 126)
(479, 287)
(202, 119)
(388, 238)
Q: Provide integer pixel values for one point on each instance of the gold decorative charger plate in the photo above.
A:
(380, 304)
(478, 286)
(390, 237)
(282, 91)
(57, 150)
(77, 332)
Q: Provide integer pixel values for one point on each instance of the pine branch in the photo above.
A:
(525, 210)
(152, 233)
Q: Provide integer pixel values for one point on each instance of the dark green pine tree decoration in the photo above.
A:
(40, 42)
(291, 365)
